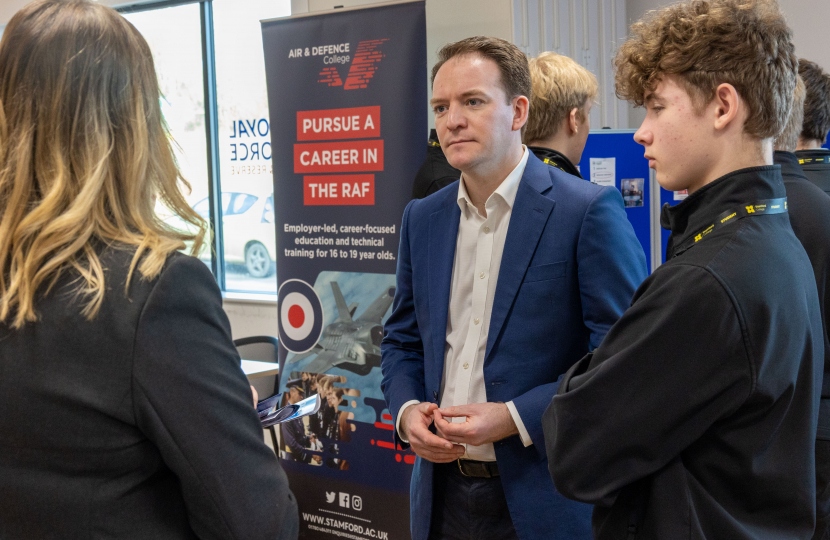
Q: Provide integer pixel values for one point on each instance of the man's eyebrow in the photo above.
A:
(652, 96)
(467, 94)
(473, 92)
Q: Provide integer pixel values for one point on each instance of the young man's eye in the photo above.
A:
(474, 102)
(438, 109)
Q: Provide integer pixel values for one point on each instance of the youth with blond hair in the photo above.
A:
(124, 411)
(696, 416)
(560, 108)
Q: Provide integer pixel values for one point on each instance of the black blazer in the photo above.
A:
(137, 424)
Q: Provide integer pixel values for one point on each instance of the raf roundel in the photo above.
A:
(301, 316)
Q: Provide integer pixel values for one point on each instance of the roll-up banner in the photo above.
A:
(348, 106)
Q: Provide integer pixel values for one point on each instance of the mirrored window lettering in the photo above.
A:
(245, 143)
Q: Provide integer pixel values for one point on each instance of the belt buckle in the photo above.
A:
(460, 468)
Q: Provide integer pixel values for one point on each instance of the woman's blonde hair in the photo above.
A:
(84, 152)
(560, 85)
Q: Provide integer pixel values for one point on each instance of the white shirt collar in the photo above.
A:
(507, 189)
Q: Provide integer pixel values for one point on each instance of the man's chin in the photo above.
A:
(670, 184)
(459, 162)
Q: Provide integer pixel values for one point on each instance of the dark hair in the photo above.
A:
(817, 104)
(511, 61)
(705, 43)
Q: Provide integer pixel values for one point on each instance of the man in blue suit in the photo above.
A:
(505, 279)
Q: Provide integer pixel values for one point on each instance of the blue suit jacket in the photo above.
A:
(570, 266)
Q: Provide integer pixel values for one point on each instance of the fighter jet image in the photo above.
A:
(347, 343)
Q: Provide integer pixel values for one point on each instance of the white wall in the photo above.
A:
(587, 31)
(251, 318)
(807, 18)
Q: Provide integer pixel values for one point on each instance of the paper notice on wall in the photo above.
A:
(680, 195)
(604, 171)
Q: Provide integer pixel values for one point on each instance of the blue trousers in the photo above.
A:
(468, 508)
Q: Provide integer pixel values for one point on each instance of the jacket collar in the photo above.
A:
(815, 152)
(555, 159)
(789, 164)
(506, 190)
(699, 210)
(809, 157)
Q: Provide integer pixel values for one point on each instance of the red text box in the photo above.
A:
(338, 157)
(341, 189)
(333, 124)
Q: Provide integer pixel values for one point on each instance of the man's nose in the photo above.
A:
(455, 117)
(643, 135)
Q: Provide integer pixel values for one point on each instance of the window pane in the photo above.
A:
(203, 208)
(242, 203)
(245, 142)
(175, 37)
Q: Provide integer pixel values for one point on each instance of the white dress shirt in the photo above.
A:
(475, 273)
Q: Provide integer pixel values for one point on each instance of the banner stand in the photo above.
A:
(348, 104)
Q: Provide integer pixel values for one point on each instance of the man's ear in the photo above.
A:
(573, 121)
(728, 106)
(521, 106)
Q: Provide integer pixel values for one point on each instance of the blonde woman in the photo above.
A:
(123, 411)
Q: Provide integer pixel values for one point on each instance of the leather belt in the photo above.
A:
(478, 469)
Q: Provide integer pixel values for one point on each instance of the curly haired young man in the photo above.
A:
(696, 416)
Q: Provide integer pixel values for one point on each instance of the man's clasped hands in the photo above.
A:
(483, 423)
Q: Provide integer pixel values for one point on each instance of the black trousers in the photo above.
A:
(822, 491)
(468, 508)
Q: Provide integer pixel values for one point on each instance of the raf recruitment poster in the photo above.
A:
(348, 106)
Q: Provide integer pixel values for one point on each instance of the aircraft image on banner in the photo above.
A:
(347, 343)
